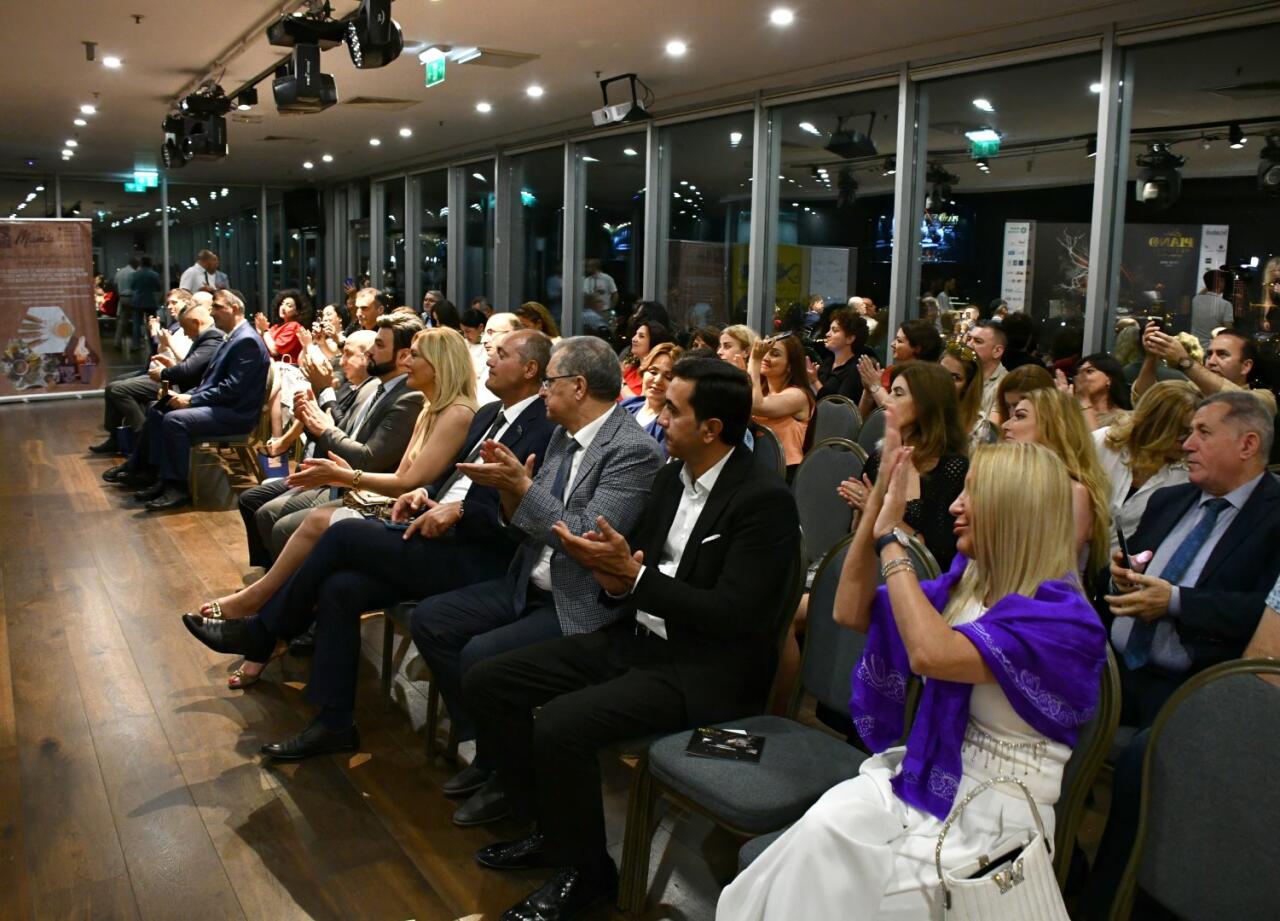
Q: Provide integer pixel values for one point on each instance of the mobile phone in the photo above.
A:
(1158, 321)
(396, 525)
(1124, 548)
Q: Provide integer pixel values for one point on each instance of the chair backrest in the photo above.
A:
(262, 432)
(1205, 847)
(768, 450)
(872, 431)
(824, 516)
(1082, 767)
(926, 565)
(836, 417)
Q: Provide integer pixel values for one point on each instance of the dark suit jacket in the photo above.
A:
(190, 371)
(1220, 613)
(236, 378)
(481, 523)
(383, 436)
(724, 606)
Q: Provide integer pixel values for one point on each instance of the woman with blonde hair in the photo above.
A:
(959, 361)
(1143, 451)
(735, 345)
(440, 367)
(1051, 418)
(1011, 653)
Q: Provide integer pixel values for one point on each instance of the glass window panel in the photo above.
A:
(477, 253)
(537, 233)
(393, 240)
(433, 231)
(612, 175)
(707, 166)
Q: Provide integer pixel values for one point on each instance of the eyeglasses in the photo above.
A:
(548, 381)
(961, 351)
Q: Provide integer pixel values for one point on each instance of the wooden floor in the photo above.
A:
(130, 783)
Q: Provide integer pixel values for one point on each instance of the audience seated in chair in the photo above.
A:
(1012, 655)
(228, 401)
(655, 374)
(700, 573)
(1203, 559)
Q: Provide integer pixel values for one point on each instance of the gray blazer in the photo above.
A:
(383, 437)
(614, 479)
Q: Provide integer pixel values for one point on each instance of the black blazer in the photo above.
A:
(190, 371)
(1220, 613)
(384, 434)
(724, 606)
(481, 522)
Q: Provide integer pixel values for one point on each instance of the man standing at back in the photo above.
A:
(147, 287)
(988, 342)
(204, 274)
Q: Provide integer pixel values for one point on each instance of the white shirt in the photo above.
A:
(693, 500)
(458, 491)
(599, 283)
(645, 415)
(541, 575)
(1127, 510)
(197, 277)
(1208, 312)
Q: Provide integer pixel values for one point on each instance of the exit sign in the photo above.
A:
(435, 70)
(984, 148)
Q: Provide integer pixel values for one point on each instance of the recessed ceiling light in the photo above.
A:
(87, 109)
(781, 16)
(483, 107)
(31, 196)
(374, 142)
(590, 160)
(67, 152)
(327, 158)
(735, 138)
(534, 91)
(984, 104)
(39, 188)
(71, 143)
(479, 176)
(307, 164)
(630, 152)
(80, 123)
(676, 48)
(1095, 87)
(809, 128)
(983, 134)
(111, 61)
(406, 132)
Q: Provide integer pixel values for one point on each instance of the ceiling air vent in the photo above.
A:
(495, 57)
(381, 103)
(289, 139)
(1260, 90)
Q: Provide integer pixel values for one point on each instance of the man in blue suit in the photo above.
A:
(228, 401)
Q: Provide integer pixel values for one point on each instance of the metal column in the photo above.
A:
(412, 268)
(164, 228)
(654, 271)
(572, 234)
(762, 266)
(506, 197)
(377, 222)
(908, 199)
(264, 254)
(456, 229)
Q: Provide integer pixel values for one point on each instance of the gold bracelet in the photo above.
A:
(355, 480)
(895, 565)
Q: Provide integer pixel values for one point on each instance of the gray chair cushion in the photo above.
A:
(824, 517)
(756, 846)
(872, 431)
(797, 766)
(1120, 741)
(836, 418)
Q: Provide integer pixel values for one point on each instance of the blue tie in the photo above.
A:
(530, 556)
(1138, 650)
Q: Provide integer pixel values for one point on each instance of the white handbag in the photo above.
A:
(1015, 882)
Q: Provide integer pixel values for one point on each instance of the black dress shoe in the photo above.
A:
(304, 644)
(230, 636)
(113, 474)
(468, 780)
(522, 854)
(488, 804)
(147, 493)
(565, 895)
(136, 479)
(170, 498)
(110, 446)
(312, 741)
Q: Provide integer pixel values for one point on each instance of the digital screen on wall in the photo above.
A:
(945, 237)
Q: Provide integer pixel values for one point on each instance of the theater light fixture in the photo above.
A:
(299, 87)
(1269, 167)
(373, 38)
(1235, 137)
(247, 99)
(1159, 181)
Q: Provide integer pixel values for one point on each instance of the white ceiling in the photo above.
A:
(733, 52)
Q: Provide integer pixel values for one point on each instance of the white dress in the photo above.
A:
(862, 853)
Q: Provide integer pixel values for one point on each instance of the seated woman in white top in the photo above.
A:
(1012, 655)
(1143, 451)
(655, 375)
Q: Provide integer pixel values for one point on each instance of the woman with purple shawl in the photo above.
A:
(1011, 655)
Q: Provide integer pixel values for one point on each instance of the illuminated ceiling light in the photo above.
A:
(327, 158)
(735, 138)
(590, 160)
(484, 108)
(676, 48)
(479, 176)
(1095, 87)
(1091, 148)
(1236, 138)
(809, 127)
(534, 91)
(374, 142)
(224, 191)
(630, 152)
(111, 62)
(87, 109)
(983, 105)
(983, 134)
(406, 132)
(39, 188)
(79, 123)
(67, 152)
(71, 143)
(31, 196)
(781, 16)
(307, 164)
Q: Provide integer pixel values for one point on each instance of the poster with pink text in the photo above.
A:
(48, 319)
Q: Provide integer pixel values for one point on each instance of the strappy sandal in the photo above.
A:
(239, 680)
(211, 609)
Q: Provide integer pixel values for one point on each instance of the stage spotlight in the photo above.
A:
(204, 102)
(1159, 180)
(373, 38)
(939, 187)
(1269, 167)
(1235, 137)
(247, 99)
(850, 144)
(302, 89)
(846, 188)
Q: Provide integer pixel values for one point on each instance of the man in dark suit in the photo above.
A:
(456, 538)
(599, 462)
(702, 599)
(1204, 557)
(127, 399)
(373, 437)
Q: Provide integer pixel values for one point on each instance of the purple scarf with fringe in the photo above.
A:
(1046, 652)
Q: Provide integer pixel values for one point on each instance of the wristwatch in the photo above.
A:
(896, 536)
(1184, 364)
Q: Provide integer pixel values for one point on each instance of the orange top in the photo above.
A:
(790, 432)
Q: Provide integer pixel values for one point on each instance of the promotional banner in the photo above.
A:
(48, 321)
(1015, 275)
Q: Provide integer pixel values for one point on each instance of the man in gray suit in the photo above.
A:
(599, 462)
(371, 436)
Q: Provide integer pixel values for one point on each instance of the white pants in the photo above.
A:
(862, 853)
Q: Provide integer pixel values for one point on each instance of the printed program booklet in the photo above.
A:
(733, 744)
